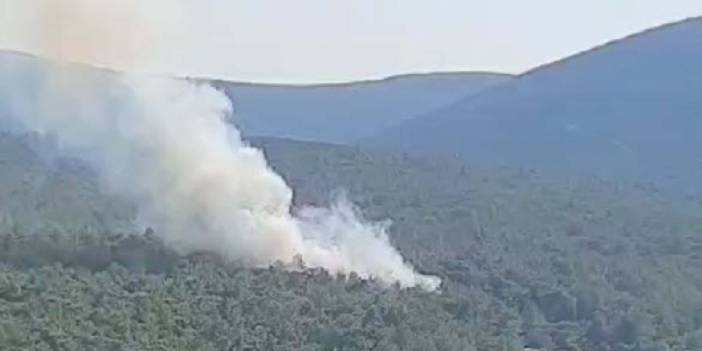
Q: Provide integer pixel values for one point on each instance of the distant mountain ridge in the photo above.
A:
(336, 113)
(345, 113)
(369, 81)
(631, 108)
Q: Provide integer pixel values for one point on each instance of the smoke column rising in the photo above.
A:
(164, 144)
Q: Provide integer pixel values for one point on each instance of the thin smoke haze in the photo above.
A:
(165, 145)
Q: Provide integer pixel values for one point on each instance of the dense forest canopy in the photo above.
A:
(526, 260)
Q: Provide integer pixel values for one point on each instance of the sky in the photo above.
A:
(316, 41)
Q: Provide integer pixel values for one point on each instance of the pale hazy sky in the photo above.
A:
(304, 41)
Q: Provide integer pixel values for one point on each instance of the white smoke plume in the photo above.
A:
(165, 144)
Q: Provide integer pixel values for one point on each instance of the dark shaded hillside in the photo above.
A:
(526, 260)
(631, 108)
(344, 113)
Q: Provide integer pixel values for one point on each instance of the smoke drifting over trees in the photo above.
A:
(164, 144)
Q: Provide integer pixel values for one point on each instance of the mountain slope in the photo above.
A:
(337, 113)
(630, 108)
(526, 260)
(344, 113)
(43, 193)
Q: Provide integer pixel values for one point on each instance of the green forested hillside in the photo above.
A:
(554, 264)
(39, 191)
